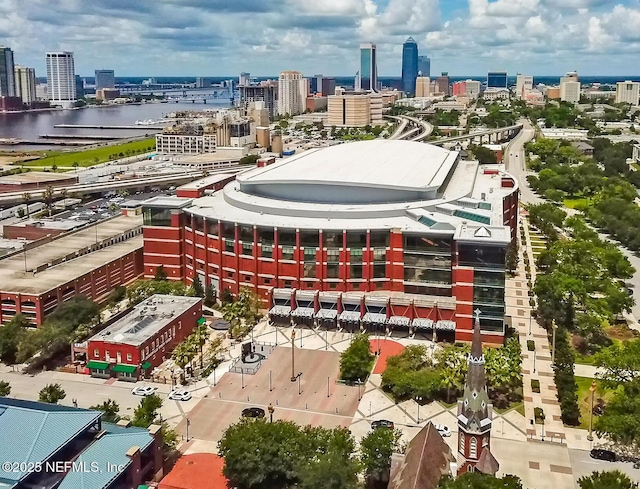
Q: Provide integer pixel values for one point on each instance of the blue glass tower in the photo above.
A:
(424, 66)
(409, 66)
(368, 68)
(497, 79)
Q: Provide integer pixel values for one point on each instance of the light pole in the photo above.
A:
(270, 385)
(270, 409)
(418, 400)
(299, 389)
(359, 394)
(293, 356)
(242, 377)
(301, 335)
(554, 326)
(326, 338)
(592, 389)
(530, 321)
(188, 423)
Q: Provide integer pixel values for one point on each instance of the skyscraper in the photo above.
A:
(627, 92)
(424, 66)
(7, 77)
(291, 86)
(105, 79)
(524, 84)
(409, 66)
(61, 79)
(497, 79)
(25, 84)
(368, 67)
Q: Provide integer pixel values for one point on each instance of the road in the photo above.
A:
(583, 465)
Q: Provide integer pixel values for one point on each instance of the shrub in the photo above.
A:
(535, 385)
(538, 413)
(356, 360)
(531, 345)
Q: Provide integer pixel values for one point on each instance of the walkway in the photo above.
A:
(385, 348)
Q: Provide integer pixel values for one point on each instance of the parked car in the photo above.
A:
(442, 429)
(179, 395)
(382, 423)
(143, 390)
(253, 412)
(602, 454)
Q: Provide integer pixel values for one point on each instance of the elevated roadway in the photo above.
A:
(509, 130)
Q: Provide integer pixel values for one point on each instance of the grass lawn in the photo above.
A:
(88, 157)
(518, 406)
(636, 166)
(573, 203)
(584, 399)
(583, 359)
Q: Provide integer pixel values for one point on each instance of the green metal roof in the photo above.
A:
(201, 320)
(146, 365)
(37, 431)
(124, 368)
(472, 216)
(97, 365)
(111, 448)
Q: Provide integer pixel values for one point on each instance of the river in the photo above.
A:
(29, 125)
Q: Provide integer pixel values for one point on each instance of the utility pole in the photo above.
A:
(554, 326)
(592, 389)
(293, 355)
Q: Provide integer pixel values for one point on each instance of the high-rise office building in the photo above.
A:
(25, 84)
(524, 84)
(291, 85)
(497, 79)
(570, 88)
(423, 86)
(244, 79)
(409, 66)
(424, 66)
(368, 67)
(354, 109)
(266, 91)
(61, 79)
(105, 79)
(472, 88)
(79, 87)
(7, 76)
(202, 82)
(627, 92)
(443, 84)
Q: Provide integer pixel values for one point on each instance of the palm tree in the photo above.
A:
(54, 168)
(48, 197)
(201, 335)
(76, 165)
(26, 197)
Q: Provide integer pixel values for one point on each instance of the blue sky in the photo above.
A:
(224, 37)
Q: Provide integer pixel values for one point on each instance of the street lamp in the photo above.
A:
(326, 338)
(554, 327)
(418, 400)
(359, 394)
(530, 321)
(293, 356)
(270, 409)
(592, 389)
(188, 423)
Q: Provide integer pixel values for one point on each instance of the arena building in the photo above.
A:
(376, 234)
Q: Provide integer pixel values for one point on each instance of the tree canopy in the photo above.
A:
(613, 479)
(478, 480)
(356, 361)
(376, 450)
(110, 408)
(52, 393)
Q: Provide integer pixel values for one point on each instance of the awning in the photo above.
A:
(283, 311)
(96, 365)
(303, 312)
(374, 317)
(350, 316)
(146, 365)
(399, 321)
(446, 325)
(327, 314)
(125, 369)
(422, 323)
(201, 321)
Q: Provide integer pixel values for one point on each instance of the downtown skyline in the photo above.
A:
(197, 37)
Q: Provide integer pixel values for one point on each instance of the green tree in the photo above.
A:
(243, 314)
(147, 411)
(5, 388)
(478, 480)
(116, 295)
(200, 337)
(52, 393)
(356, 360)
(613, 479)
(11, 334)
(140, 290)
(196, 286)
(75, 166)
(110, 408)
(47, 195)
(209, 296)
(160, 273)
(26, 198)
(376, 450)
(619, 363)
(54, 168)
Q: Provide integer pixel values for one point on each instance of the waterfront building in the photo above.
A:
(368, 68)
(352, 235)
(90, 262)
(628, 92)
(409, 66)
(41, 92)
(7, 76)
(107, 94)
(105, 79)
(354, 109)
(184, 143)
(570, 88)
(25, 84)
(474, 413)
(203, 82)
(79, 87)
(143, 338)
(291, 86)
(524, 84)
(497, 79)
(266, 92)
(424, 66)
(61, 79)
(423, 86)
(244, 79)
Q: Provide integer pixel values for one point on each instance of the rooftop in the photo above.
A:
(34, 177)
(201, 470)
(37, 431)
(146, 319)
(168, 202)
(57, 224)
(70, 256)
(207, 181)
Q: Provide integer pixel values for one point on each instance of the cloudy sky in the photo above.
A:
(224, 37)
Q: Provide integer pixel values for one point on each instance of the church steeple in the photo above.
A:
(474, 413)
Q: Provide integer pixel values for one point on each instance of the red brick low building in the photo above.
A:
(144, 337)
(389, 233)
